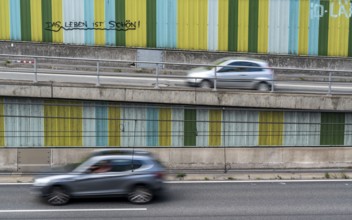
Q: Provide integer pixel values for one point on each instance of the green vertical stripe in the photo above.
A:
(350, 38)
(190, 127)
(46, 14)
(332, 129)
(151, 23)
(120, 17)
(253, 26)
(233, 25)
(324, 30)
(26, 20)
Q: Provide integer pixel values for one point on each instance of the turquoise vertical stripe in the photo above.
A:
(89, 125)
(293, 27)
(101, 126)
(313, 34)
(110, 35)
(89, 17)
(152, 126)
(166, 23)
(15, 20)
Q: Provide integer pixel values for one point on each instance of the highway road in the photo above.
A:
(230, 200)
(145, 80)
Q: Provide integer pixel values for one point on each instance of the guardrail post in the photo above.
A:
(330, 76)
(273, 83)
(157, 77)
(215, 79)
(35, 71)
(98, 70)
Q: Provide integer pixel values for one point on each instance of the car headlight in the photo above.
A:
(41, 182)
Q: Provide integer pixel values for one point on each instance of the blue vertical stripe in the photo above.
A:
(152, 126)
(15, 20)
(110, 35)
(313, 38)
(101, 126)
(166, 23)
(293, 27)
(89, 17)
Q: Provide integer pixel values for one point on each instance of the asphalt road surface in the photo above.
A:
(246, 200)
(145, 80)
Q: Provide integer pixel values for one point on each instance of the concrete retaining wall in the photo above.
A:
(178, 56)
(208, 158)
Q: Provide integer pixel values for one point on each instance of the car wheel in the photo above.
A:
(205, 84)
(264, 87)
(58, 196)
(140, 195)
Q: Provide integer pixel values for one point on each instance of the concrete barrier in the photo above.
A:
(176, 96)
(209, 158)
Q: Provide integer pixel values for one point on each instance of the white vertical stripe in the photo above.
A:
(177, 127)
(134, 126)
(279, 26)
(73, 11)
(213, 25)
(348, 129)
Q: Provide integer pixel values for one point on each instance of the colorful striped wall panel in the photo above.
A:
(301, 27)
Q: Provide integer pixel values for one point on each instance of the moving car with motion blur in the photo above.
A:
(139, 177)
(233, 72)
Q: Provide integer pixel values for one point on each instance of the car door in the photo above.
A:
(103, 183)
(233, 75)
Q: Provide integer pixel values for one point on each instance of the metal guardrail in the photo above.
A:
(98, 67)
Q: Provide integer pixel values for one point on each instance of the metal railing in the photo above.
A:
(100, 68)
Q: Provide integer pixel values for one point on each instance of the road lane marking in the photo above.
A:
(71, 210)
(224, 181)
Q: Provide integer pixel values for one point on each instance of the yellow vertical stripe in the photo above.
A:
(271, 128)
(263, 26)
(303, 27)
(2, 124)
(99, 16)
(338, 28)
(243, 13)
(203, 24)
(4, 20)
(63, 123)
(136, 12)
(114, 126)
(193, 24)
(36, 20)
(223, 25)
(215, 127)
(165, 127)
(57, 16)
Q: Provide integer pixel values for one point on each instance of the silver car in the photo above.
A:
(139, 177)
(241, 73)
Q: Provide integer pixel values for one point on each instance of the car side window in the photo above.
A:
(121, 165)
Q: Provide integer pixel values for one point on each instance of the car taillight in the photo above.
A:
(159, 175)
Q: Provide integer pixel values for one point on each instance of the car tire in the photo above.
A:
(58, 196)
(205, 84)
(140, 195)
(263, 87)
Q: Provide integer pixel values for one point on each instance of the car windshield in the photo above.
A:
(215, 63)
(83, 166)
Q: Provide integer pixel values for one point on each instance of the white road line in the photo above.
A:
(226, 181)
(71, 210)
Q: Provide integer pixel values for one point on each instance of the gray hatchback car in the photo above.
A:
(138, 177)
(233, 72)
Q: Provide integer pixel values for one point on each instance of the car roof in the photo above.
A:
(111, 157)
(245, 59)
(121, 151)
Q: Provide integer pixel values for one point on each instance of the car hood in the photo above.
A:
(200, 71)
(48, 179)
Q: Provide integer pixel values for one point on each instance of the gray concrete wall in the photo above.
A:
(207, 158)
(176, 96)
(180, 56)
